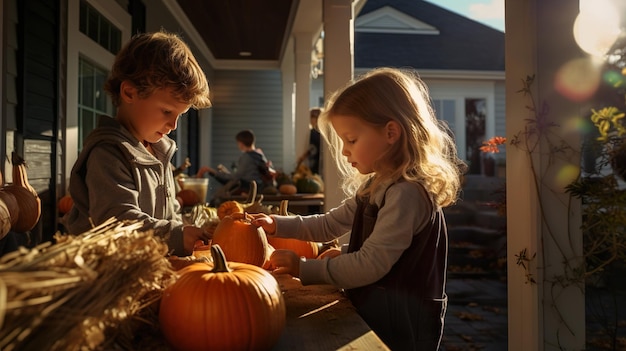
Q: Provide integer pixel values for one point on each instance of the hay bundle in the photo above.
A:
(91, 291)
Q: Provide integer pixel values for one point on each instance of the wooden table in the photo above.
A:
(298, 203)
(320, 317)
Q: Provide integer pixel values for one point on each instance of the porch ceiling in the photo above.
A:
(233, 28)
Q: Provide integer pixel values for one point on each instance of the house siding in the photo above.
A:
(37, 104)
(246, 100)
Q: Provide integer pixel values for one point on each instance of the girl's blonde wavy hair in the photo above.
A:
(425, 153)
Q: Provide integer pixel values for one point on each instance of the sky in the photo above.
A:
(488, 12)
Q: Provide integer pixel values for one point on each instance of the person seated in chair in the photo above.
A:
(251, 166)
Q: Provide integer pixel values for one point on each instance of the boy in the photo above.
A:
(124, 170)
(252, 165)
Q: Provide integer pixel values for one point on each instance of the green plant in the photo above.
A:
(600, 192)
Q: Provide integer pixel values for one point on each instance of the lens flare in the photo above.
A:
(578, 79)
(577, 125)
(614, 79)
(566, 175)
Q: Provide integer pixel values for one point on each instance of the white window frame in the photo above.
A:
(458, 91)
(78, 44)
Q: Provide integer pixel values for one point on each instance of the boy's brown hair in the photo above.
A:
(246, 137)
(159, 60)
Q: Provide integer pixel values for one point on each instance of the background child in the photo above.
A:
(313, 152)
(124, 169)
(251, 166)
(399, 168)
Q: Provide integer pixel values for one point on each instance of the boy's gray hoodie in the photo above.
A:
(116, 176)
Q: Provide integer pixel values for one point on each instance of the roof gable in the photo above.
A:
(390, 20)
(460, 44)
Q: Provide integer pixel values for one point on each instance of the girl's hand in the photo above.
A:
(259, 220)
(192, 234)
(286, 261)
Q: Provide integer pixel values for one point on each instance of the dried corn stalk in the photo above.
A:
(84, 292)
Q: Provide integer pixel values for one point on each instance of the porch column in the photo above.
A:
(304, 45)
(288, 78)
(338, 18)
(542, 315)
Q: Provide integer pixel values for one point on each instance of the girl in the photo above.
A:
(399, 168)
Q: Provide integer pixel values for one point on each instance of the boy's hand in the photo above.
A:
(192, 234)
(286, 261)
(203, 170)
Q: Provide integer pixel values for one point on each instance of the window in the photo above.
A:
(99, 29)
(475, 127)
(444, 109)
(92, 99)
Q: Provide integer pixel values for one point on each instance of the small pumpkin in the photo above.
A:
(189, 197)
(11, 204)
(227, 306)
(201, 251)
(65, 204)
(25, 195)
(5, 220)
(20, 176)
(287, 189)
(241, 241)
(283, 178)
(308, 185)
(302, 248)
(229, 207)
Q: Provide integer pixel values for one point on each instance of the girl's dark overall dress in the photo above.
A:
(406, 307)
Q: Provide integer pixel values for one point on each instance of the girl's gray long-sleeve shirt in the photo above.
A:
(407, 210)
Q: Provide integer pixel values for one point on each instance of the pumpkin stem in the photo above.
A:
(16, 159)
(251, 194)
(219, 260)
(282, 210)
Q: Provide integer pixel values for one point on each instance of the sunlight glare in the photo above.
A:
(596, 27)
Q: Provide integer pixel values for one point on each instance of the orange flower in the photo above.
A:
(491, 145)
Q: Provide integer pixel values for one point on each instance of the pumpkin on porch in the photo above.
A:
(188, 197)
(302, 248)
(229, 207)
(26, 196)
(10, 202)
(65, 204)
(241, 241)
(224, 306)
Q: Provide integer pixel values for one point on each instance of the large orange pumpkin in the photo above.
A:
(228, 306)
(241, 241)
